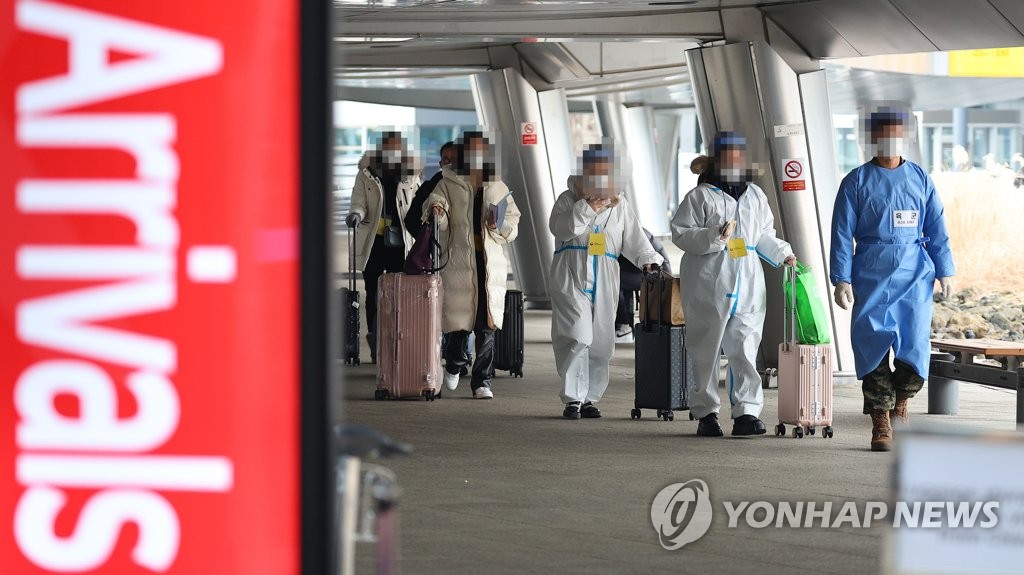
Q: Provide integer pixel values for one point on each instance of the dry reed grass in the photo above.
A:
(984, 215)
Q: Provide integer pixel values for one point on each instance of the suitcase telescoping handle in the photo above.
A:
(351, 259)
(656, 276)
(789, 302)
(435, 244)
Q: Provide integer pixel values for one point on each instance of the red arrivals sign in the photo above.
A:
(149, 394)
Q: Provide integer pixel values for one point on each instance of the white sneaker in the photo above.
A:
(624, 338)
(451, 381)
(622, 330)
(483, 393)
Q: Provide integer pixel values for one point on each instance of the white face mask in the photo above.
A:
(889, 147)
(602, 182)
(392, 157)
(475, 160)
(733, 175)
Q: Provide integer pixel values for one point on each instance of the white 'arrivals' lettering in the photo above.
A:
(96, 448)
(166, 57)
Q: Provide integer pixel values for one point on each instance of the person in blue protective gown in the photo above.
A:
(593, 225)
(889, 244)
(725, 227)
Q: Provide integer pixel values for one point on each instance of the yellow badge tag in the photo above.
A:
(382, 224)
(595, 245)
(737, 248)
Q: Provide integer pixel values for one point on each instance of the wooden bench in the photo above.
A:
(946, 374)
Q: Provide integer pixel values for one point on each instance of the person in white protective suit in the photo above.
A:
(724, 226)
(592, 226)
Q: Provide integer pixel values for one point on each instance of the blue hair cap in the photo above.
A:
(728, 140)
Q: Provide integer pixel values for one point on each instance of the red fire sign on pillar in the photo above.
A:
(148, 270)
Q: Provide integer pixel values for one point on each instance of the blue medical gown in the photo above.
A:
(897, 221)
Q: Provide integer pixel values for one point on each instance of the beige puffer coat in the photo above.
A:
(455, 194)
(368, 201)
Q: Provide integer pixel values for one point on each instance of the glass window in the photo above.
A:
(979, 145)
(1005, 138)
(847, 148)
(349, 138)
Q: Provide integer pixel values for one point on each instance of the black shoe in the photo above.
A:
(708, 426)
(572, 410)
(589, 410)
(748, 425)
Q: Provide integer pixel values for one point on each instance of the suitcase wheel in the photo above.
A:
(634, 413)
(381, 394)
(665, 415)
(692, 417)
(798, 432)
(429, 394)
(780, 429)
(827, 432)
(810, 431)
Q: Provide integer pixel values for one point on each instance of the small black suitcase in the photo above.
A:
(663, 370)
(508, 341)
(349, 301)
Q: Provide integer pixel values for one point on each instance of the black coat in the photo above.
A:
(414, 217)
(630, 276)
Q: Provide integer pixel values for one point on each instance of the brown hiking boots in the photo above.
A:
(881, 430)
(899, 414)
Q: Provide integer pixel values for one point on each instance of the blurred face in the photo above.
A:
(732, 164)
(476, 154)
(888, 140)
(598, 179)
(391, 152)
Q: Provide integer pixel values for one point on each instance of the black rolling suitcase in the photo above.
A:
(508, 341)
(664, 371)
(350, 309)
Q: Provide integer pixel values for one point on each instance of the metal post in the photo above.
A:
(943, 393)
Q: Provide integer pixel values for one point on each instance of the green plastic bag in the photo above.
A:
(811, 322)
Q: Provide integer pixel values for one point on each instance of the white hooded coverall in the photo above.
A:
(724, 298)
(585, 289)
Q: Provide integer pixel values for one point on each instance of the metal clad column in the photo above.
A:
(825, 174)
(504, 102)
(648, 193)
(632, 128)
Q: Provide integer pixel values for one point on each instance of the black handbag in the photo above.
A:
(393, 236)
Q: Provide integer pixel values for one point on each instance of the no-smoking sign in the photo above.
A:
(528, 134)
(793, 179)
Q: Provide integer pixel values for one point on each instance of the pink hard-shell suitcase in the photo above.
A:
(409, 335)
(805, 381)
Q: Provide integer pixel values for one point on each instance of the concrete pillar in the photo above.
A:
(530, 166)
(960, 127)
(960, 136)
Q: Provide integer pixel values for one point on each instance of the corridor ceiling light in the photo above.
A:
(673, 3)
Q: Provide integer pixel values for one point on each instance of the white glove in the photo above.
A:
(947, 287)
(844, 295)
(353, 220)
